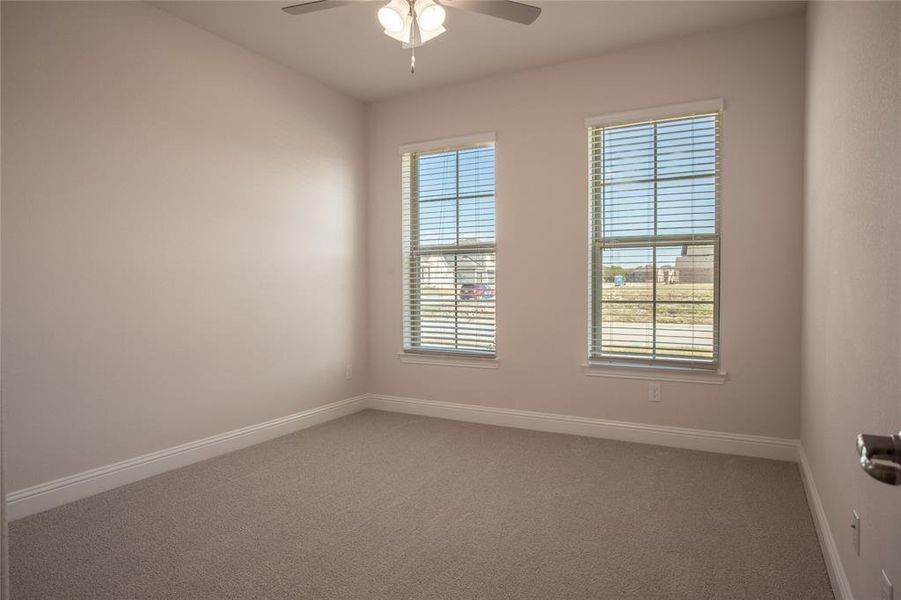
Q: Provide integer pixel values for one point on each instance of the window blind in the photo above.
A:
(655, 235)
(449, 250)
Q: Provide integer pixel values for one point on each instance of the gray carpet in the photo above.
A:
(389, 506)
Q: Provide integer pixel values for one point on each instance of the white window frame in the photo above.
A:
(663, 369)
(438, 357)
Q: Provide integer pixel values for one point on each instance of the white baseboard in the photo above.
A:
(661, 435)
(29, 501)
(840, 585)
(44, 496)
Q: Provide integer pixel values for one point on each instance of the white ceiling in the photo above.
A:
(345, 48)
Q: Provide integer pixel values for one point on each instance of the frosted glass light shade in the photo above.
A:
(429, 15)
(405, 32)
(393, 15)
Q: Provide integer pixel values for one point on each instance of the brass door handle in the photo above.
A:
(880, 456)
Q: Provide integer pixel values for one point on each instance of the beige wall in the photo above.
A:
(542, 228)
(852, 359)
(183, 233)
(4, 564)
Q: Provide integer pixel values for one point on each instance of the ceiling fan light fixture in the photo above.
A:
(394, 16)
(429, 15)
(415, 22)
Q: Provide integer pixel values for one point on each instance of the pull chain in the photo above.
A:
(413, 27)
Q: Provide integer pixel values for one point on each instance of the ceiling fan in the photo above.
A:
(414, 22)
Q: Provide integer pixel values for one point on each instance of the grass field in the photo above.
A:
(684, 320)
(677, 303)
(666, 292)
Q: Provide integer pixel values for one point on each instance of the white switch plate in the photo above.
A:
(348, 371)
(654, 392)
(855, 531)
(887, 588)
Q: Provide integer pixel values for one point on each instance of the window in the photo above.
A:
(655, 240)
(449, 250)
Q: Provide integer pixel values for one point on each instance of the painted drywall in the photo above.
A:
(852, 227)
(183, 235)
(4, 554)
(542, 229)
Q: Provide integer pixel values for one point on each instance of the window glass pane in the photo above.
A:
(477, 220)
(686, 147)
(437, 176)
(627, 274)
(685, 273)
(685, 330)
(477, 172)
(435, 322)
(628, 154)
(628, 209)
(456, 302)
(476, 306)
(437, 222)
(627, 328)
(686, 206)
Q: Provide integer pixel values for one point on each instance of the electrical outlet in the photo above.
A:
(348, 371)
(654, 392)
(887, 588)
(855, 531)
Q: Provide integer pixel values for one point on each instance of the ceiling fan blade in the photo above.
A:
(313, 6)
(502, 9)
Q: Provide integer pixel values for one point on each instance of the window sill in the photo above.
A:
(654, 373)
(444, 360)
